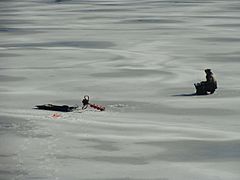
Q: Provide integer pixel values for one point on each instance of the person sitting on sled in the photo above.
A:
(208, 86)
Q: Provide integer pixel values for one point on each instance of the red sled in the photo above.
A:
(98, 107)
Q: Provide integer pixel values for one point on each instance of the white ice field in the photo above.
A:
(138, 58)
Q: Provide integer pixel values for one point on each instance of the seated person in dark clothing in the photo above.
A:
(208, 86)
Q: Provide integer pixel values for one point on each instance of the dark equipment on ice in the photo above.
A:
(206, 87)
(85, 103)
(51, 107)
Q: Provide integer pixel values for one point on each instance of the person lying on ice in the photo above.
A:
(206, 87)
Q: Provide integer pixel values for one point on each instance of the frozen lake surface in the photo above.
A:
(139, 58)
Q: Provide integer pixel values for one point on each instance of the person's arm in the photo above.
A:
(209, 79)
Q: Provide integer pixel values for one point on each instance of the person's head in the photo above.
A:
(208, 71)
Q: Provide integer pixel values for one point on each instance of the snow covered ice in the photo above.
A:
(139, 58)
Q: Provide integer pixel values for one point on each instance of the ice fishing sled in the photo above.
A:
(86, 103)
(51, 107)
(202, 89)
